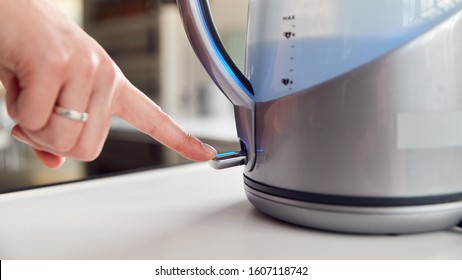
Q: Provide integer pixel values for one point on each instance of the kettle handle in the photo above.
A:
(204, 38)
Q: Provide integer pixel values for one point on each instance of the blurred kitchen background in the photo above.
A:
(146, 39)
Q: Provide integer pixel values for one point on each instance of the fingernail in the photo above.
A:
(19, 137)
(209, 149)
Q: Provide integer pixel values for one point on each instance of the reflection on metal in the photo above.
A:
(419, 10)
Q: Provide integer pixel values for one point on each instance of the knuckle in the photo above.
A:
(62, 144)
(88, 65)
(32, 123)
(13, 113)
(108, 72)
(87, 153)
(188, 140)
(184, 142)
(89, 147)
(31, 117)
(90, 154)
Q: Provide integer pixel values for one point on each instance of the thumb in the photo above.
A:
(145, 115)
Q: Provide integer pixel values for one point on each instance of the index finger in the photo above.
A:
(137, 109)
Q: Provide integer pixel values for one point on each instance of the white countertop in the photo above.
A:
(185, 212)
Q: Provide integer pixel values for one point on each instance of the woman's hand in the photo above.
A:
(46, 60)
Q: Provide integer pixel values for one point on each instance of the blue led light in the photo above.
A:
(226, 154)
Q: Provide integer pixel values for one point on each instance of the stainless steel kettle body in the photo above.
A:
(372, 146)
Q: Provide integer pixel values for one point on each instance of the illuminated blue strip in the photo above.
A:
(226, 154)
(220, 56)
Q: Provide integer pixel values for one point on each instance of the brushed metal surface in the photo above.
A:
(363, 220)
(341, 137)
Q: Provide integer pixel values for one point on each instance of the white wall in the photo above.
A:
(72, 8)
(230, 14)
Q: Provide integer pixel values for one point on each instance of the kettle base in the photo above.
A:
(358, 219)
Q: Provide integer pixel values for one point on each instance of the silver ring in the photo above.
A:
(71, 114)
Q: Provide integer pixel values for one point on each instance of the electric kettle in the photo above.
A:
(349, 113)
